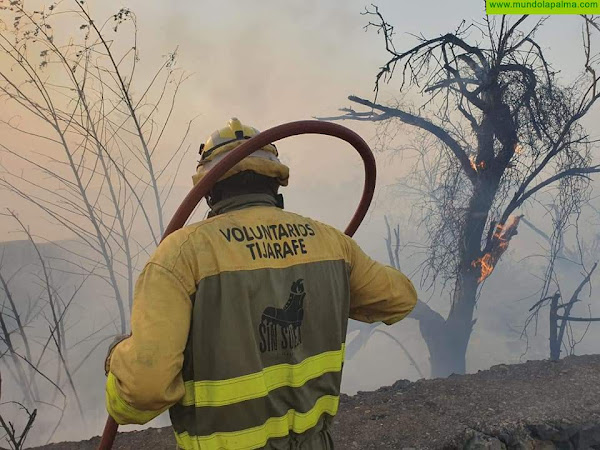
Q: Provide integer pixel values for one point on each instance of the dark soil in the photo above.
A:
(536, 405)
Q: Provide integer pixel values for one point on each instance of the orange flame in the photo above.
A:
(502, 235)
(476, 166)
(486, 264)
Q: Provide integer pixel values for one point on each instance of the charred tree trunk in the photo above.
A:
(447, 351)
(554, 342)
(447, 340)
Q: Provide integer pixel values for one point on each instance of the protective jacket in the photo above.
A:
(238, 326)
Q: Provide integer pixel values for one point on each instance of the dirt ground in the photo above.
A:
(536, 405)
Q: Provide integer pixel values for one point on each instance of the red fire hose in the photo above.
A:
(250, 146)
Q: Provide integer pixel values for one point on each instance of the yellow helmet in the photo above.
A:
(264, 161)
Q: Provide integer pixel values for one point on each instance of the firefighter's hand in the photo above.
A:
(113, 344)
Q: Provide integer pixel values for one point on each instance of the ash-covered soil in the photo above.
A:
(536, 405)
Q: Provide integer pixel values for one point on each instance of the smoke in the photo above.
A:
(272, 62)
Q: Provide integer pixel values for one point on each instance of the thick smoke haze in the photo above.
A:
(271, 62)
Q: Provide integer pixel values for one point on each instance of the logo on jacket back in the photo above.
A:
(280, 328)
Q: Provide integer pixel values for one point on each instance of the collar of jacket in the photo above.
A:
(243, 201)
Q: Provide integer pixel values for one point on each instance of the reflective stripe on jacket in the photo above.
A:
(239, 324)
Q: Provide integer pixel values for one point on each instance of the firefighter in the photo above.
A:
(239, 321)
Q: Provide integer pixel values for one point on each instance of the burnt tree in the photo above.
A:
(501, 130)
(562, 259)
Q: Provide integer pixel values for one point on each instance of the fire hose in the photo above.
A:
(236, 155)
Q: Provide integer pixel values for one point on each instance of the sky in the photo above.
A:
(272, 62)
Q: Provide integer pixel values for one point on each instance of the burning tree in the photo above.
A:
(499, 129)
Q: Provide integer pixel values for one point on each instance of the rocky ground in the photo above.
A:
(536, 405)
